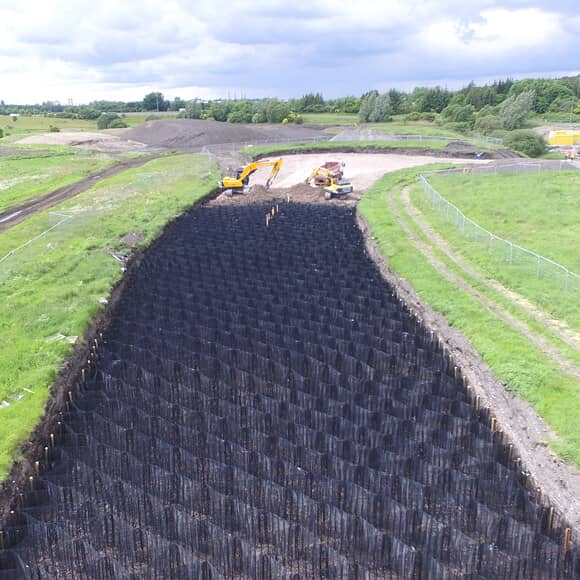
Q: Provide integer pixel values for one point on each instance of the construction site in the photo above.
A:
(264, 397)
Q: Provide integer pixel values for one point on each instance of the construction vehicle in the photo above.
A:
(324, 174)
(241, 182)
(338, 188)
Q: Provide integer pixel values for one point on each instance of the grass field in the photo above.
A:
(39, 171)
(28, 125)
(51, 289)
(415, 128)
(537, 211)
(344, 145)
(515, 360)
(24, 125)
(330, 118)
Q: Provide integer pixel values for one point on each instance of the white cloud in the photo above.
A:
(110, 49)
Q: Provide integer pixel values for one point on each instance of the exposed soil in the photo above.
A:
(16, 214)
(517, 418)
(192, 134)
(102, 141)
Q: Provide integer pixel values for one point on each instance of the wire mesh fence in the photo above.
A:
(521, 259)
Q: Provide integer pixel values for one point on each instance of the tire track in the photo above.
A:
(17, 214)
(557, 327)
(516, 324)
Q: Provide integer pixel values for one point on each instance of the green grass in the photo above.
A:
(40, 171)
(537, 211)
(53, 287)
(139, 118)
(415, 128)
(28, 125)
(344, 145)
(514, 359)
(330, 118)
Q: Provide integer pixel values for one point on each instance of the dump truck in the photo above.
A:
(324, 174)
(241, 182)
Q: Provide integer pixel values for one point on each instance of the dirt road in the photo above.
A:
(16, 214)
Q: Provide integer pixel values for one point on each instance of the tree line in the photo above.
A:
(502, 105)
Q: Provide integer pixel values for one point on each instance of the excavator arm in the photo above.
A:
(274, 173)
(236, 184)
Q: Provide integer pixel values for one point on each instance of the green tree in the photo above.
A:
(487, 124)
(515, 110)
(459, 113)
(310, 103)
(381, 109)
(367, 106)
(110, 121)
(193, 110)
(155, 102)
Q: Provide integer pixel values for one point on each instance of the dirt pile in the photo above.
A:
(189, 134)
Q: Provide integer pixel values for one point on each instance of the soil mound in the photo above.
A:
(194, 133)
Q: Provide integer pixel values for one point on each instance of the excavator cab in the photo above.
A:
(240, 183)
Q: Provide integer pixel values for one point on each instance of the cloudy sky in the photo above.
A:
(122, 49)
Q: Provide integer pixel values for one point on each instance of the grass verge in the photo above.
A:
(515, 360)
(538, 211)
(52, 289)
(37, 172)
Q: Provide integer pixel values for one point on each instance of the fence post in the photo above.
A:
(511, 252)
(538, 269)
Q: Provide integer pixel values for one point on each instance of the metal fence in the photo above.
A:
(520, 258)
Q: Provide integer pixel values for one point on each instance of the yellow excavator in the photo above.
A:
(241, 182)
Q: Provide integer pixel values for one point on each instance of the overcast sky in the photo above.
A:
(122, 49)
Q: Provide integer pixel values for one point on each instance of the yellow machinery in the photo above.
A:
(325, 174)
(241, 182)
(563, 138)
(337, 188)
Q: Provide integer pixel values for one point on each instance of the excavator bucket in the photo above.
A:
(274, 173)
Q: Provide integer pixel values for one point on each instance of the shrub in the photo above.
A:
(1, 133)
(105, 120)
(258, 117)
(487, 125)
(463, 127)
(117, 124)
(53, 129)
(458, 113)
(152, 118)
(526, 141)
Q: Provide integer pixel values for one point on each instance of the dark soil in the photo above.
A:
(262, 405)
(192, 134)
